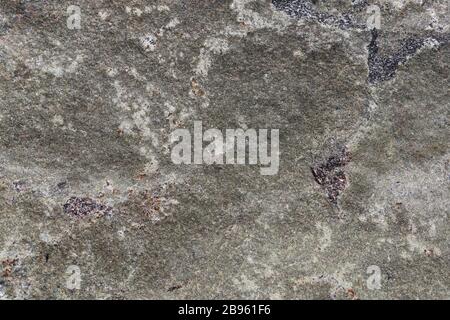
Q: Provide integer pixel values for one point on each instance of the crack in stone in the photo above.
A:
(305, 9)
(382, 68)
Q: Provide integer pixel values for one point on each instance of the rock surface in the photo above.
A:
(91, 205)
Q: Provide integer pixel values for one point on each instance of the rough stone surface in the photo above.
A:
(86, 178)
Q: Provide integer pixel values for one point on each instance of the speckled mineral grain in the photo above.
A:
(92, 206)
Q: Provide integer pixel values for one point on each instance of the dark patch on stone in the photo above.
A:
(62, 185)
(176, 287)
(330, 175)
(81, 207)
(382, 68)
(358, 4)
(8, 267)
(19, 186)
(196, 88)
(401, 218)
(305, 9)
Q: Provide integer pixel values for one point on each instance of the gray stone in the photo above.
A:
(91, 205)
